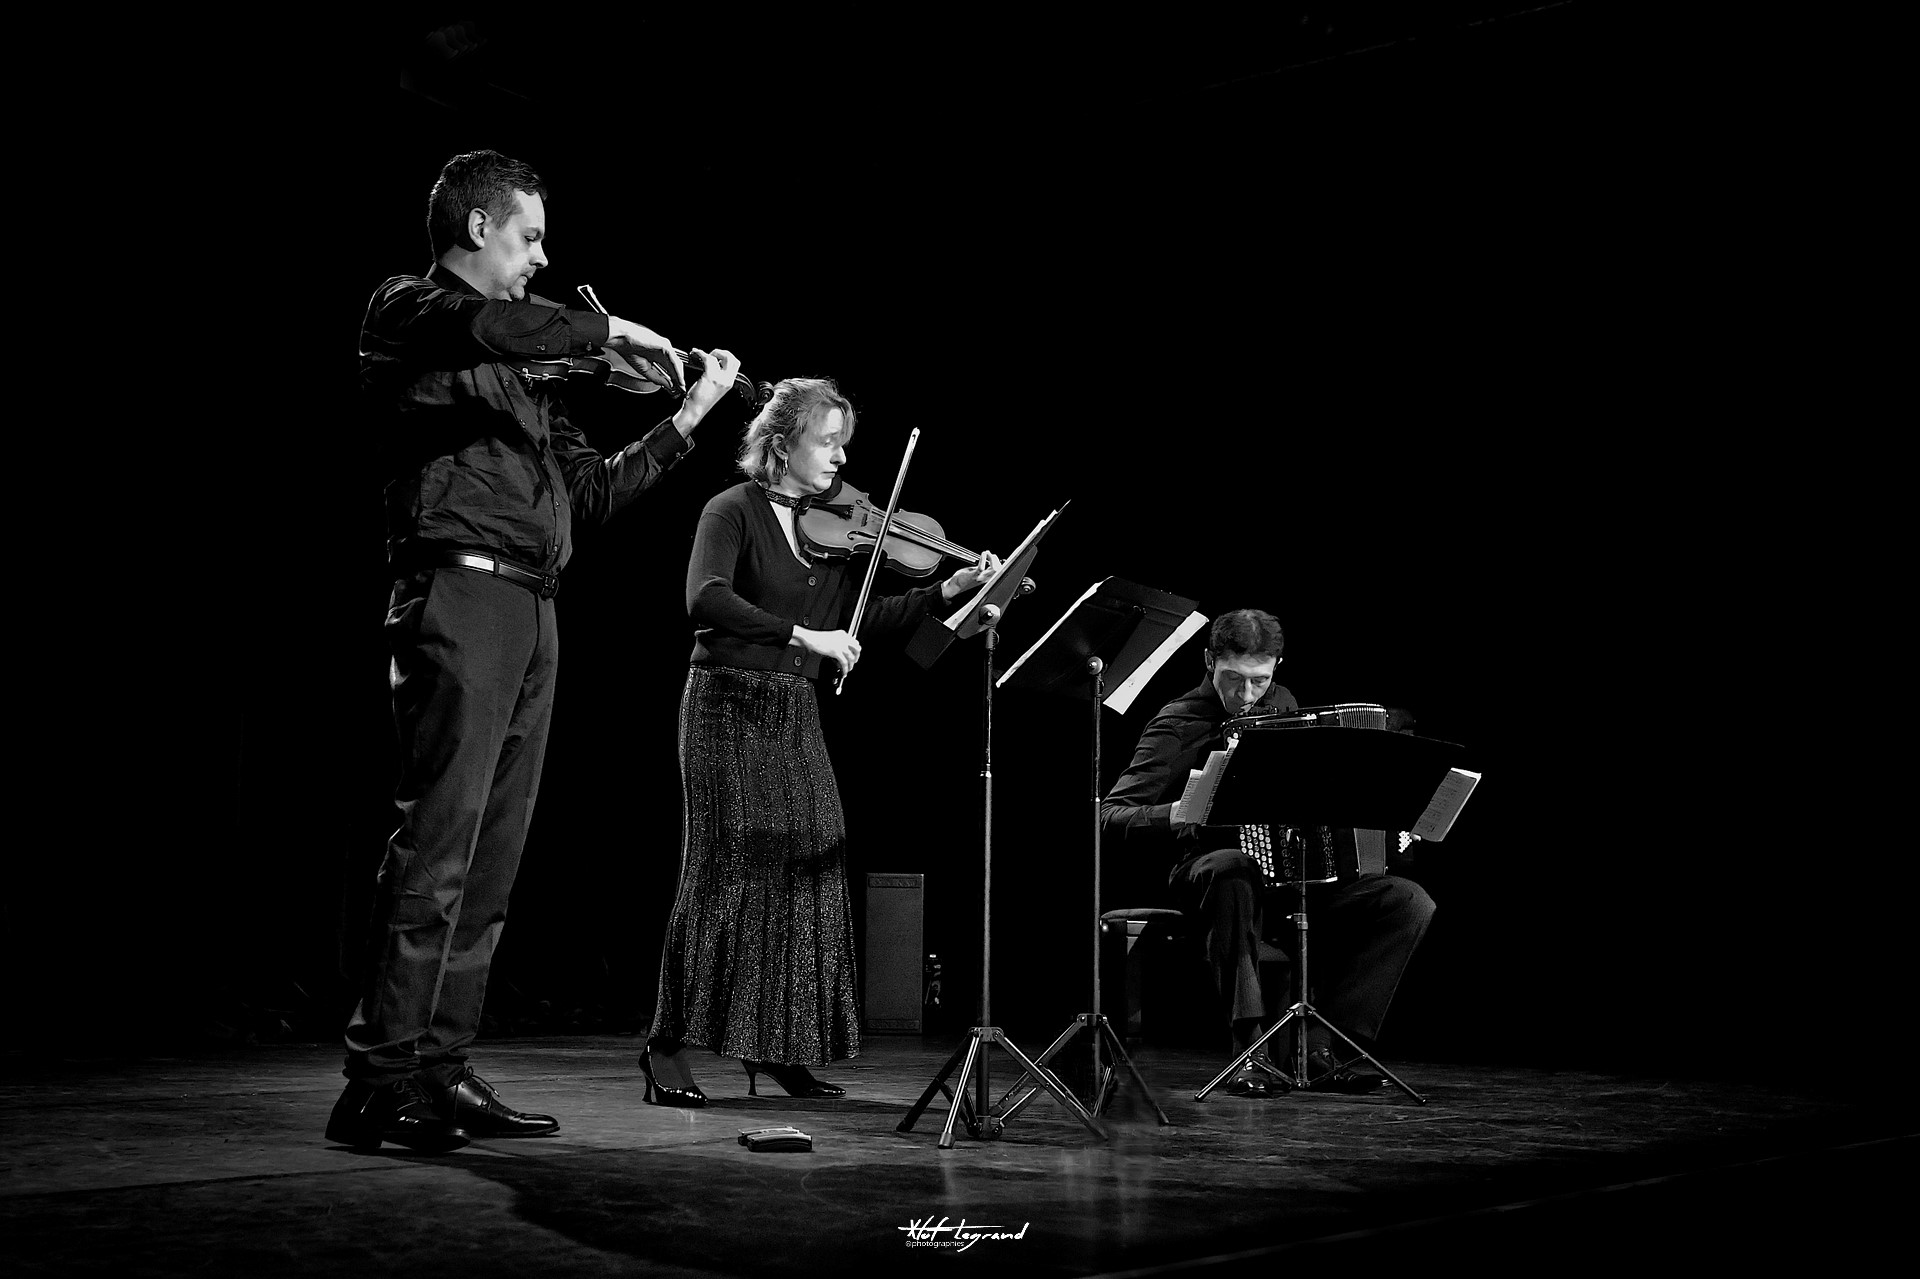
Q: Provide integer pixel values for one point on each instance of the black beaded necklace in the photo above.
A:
(781, 499)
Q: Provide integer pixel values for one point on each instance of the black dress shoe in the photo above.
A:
(403, 1113)
(1250, 1081)
(1324, 1074)
(795, 1081)
(659, 1094)
(474, 1104)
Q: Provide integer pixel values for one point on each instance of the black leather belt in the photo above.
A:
(542, 584)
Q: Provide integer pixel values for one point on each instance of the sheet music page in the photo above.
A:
(1042, 642)
(1197, 800)
(1446, 804)
(1186, 796)
(953, 623)
(1121, 698)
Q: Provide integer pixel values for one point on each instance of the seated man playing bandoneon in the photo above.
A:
(1364, 929)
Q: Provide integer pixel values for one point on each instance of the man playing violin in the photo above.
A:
(486, 479)
(1364, 930)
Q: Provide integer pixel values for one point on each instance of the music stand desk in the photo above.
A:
(1332, 776)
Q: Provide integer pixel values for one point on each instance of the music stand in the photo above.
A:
(1335, 776)
(983, 616)
(1122, 632)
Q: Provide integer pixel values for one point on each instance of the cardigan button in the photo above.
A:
(799, 661)
(813, 581)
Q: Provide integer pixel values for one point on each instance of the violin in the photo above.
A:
(624, 372)
(844, 522)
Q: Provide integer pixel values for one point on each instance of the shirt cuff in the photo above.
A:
(666, 443)
(590, 328)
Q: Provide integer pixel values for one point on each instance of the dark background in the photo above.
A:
(1416, 325)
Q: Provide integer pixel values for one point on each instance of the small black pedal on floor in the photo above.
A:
(775, 1139)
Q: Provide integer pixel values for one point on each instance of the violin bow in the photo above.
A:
(666, 376)
(879, 549)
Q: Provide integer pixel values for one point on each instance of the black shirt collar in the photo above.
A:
(448, 278)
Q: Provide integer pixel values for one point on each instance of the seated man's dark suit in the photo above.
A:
(1364, 930)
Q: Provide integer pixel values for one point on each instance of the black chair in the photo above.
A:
(1136, 942)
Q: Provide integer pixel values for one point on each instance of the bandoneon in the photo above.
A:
(1292, 855)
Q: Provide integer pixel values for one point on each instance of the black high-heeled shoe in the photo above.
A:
(690, 1097)
(798, 1081)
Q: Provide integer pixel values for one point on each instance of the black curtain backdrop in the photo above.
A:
(1343, 313)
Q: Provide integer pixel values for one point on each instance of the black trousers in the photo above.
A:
(474, 659)
(1360, 937)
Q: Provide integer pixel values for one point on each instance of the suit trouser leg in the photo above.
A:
(1223, 888)
(473, 663)
(1362, 936)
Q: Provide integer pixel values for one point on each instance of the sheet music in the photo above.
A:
(1196, 801)
(953, 623)
(1121, 698)
(1446, 804)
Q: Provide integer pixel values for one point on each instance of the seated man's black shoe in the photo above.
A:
(1251, 1081)
(1324, 1074)
(402, 1113)
(473, 1104)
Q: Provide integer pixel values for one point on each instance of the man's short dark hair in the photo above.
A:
(476, 180)
(1246, 632)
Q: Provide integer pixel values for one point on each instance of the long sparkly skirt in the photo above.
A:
(759, 956)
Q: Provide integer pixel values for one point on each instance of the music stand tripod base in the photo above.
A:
(981, 1120)
(1105, 1086)
(1298, 1080)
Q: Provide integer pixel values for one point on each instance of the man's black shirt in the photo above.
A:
(1136, 816)
(478, 457)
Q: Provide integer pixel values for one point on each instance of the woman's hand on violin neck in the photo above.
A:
(626, 336)
(979, 573)
(838, 645)
(716, 379)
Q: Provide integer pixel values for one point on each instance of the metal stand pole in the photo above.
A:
(1104, 1083)
(972, 1056)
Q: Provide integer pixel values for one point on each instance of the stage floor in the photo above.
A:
(216, 1165)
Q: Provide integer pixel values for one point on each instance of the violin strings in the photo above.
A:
(932, 542)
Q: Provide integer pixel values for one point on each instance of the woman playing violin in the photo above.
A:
(759, 960)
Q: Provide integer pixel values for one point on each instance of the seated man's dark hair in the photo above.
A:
(1246, 632)
(475, 180)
